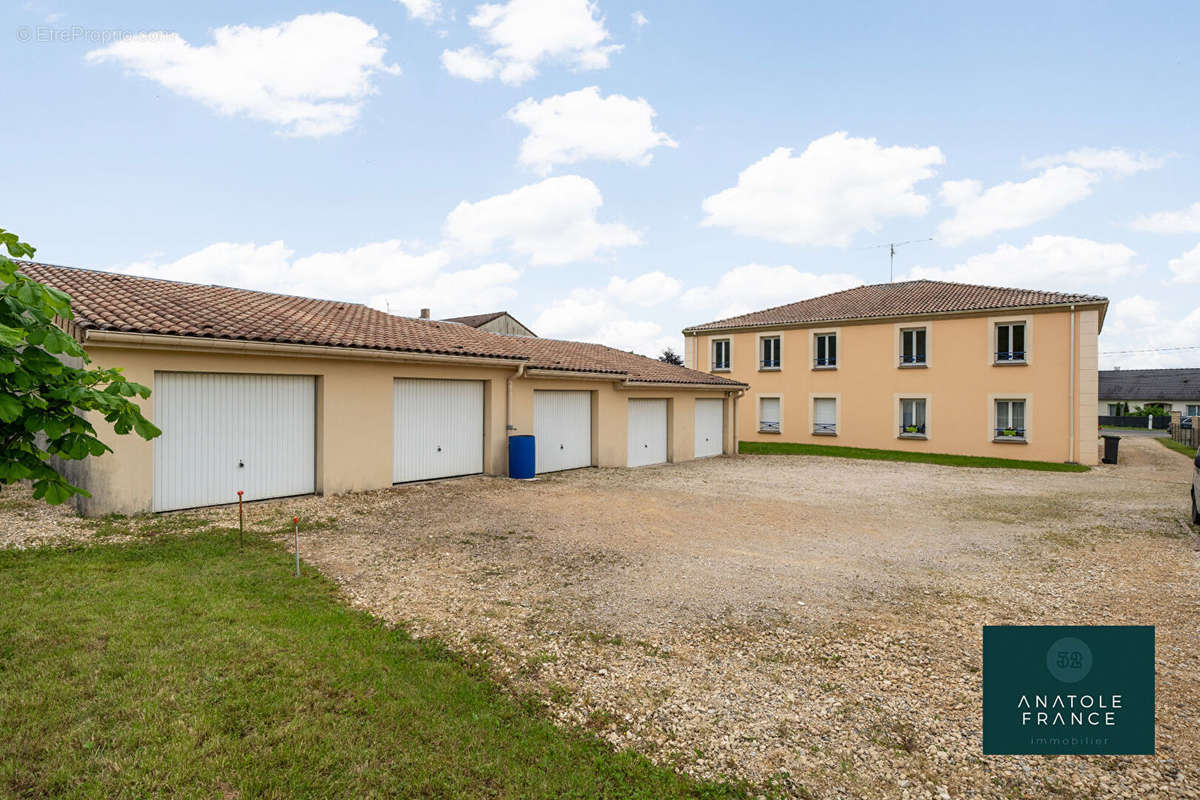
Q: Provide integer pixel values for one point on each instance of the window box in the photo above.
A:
(824, 429)
(1016, 435)
(768, 427)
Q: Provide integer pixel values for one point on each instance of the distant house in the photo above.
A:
(1170, 389)
(495, 322)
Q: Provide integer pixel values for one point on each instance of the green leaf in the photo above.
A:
(145, 428)
(11, 337)
(10, 408)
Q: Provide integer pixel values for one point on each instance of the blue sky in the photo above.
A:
(614, 171)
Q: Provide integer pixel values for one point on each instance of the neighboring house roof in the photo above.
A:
(113, 302)
(475, 320)
(1150, 384)
(889, 300)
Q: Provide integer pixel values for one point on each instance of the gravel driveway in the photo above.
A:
(810, 623)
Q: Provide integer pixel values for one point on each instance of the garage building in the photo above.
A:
(275, 395)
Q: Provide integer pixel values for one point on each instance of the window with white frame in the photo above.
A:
(720, 354)
(771, 351)
(1010, 419)
(768, 415)
(1010, 342)
(912, 346)
(1114, 409)
(825, 350)
(912, 416)
(1193, 411)
(825, 416)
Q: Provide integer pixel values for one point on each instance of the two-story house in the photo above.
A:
(917, 365)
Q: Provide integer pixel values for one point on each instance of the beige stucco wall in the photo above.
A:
(355, 419)
(960, 383)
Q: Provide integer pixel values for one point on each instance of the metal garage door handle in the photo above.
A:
(439, 448)
(241, 463)
(562, 447)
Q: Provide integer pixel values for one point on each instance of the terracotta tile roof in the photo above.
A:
(109, 301)
(906, 298)
(1150, 384)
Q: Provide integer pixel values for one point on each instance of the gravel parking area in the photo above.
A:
(809, 624)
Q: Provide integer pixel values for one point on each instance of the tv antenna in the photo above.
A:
(891, 246)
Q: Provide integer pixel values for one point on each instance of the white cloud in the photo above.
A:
(310, 76)
(752, 287)
(551, 222)
(470, 63)
(594, 315)
(390, 274)
(1115, 160)
(1062, 263)
(526, 33)
(1142, 325)
(838, 186)
(580, 125)
(640, 20)
(1010, 205)
(453, 294)
(1184, 221)
(648, 289)
(424, 10)
(1186, 268)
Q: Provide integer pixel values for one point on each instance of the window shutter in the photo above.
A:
(825, 411)
(770, 409)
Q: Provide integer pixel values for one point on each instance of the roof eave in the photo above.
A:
(702, 329)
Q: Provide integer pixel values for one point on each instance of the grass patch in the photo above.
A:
(1178, 447)
(945, 459)
(185, 666)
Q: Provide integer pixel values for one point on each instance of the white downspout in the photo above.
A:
(1071, 395)
(739, 394)
(508, 426)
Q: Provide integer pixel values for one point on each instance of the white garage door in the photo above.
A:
(438, 429)
(562, 430)
(710, 427)
(222, 433)
(647, 432)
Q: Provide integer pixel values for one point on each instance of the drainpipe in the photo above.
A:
(508, 426)
(1071, 394)
(735, 397)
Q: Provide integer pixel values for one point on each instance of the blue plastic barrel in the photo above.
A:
(522, 461)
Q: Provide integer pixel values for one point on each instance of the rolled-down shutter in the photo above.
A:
(825, 415)
(768, 419)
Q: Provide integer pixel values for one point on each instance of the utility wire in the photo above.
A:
(1150, 350)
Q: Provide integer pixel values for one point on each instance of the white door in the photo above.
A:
(437, 429)
(562, 430)
(710, 427)
(222, 433)
(647, 432)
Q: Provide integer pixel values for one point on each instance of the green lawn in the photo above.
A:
(185, 667)
(1122, 428)
(1178, 447)
(946, 459)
